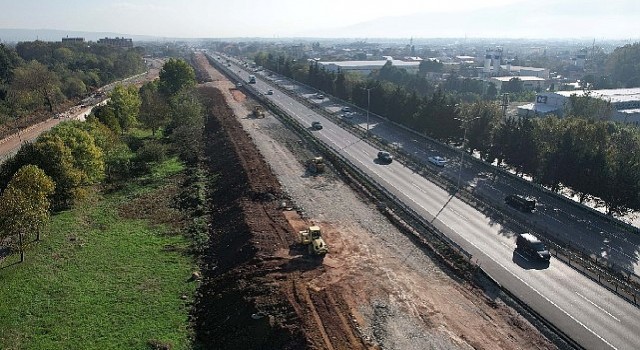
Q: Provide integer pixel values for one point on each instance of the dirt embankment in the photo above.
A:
(374, 290)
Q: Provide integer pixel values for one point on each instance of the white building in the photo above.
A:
(525, 71)
(528, 83)
(366, 67)
(625, 102)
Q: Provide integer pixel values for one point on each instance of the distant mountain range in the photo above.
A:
(17, 35)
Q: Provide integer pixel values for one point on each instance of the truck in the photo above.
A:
(312, 237)
(520, 202)
(252, 79)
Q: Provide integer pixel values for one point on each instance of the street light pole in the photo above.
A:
(368, 106)
(464, 139)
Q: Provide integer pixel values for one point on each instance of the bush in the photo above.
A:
(152, 152)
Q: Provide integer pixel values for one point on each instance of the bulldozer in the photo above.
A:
(258, 112)
(316, 165)
(312, 237)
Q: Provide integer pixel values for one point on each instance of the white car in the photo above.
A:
(269, 92)
(437, 161)
(346, 109)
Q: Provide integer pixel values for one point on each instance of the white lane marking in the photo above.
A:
(504, 244)
(522, 256)
(553, 218)
(555, 305)
(594, 304)
(459, 214)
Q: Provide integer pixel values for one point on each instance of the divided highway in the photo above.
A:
(587, 312)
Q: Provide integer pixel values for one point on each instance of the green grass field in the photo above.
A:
(104, 277)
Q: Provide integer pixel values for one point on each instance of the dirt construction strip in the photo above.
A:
(375, 289)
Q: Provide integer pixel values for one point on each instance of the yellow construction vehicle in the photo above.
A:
(258, 112)
(316, 165)
(313, 238)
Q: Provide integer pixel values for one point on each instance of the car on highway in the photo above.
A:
(384, 157)
(316, 126)
(437, 161)
(532, 246)
(269, 92)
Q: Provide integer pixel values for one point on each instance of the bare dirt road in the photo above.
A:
(376, 289)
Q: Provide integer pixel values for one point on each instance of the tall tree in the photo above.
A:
(125, 102)
(154, 110)
(483, 117)
(24, 205)
(187, 126)
(623, 182)
(87, 157)
(586, 106)
(33, 82)
(623, 65)
(176, 74)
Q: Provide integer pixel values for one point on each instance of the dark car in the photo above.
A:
(520, 202)
(532, 246)
(384, 157)
(316, 125)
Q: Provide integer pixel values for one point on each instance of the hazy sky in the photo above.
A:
(335, 18)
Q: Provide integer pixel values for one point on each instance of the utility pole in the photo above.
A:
(504, 104)
(464, 139)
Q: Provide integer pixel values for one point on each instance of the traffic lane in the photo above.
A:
(601, 320)
(623, 245)
(616, 248)
(587, 322)
(598, 328)
(595, 236)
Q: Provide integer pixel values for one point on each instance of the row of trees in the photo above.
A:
(38, 73)
(583, 151)
(61, 165)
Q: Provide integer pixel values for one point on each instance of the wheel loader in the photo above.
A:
(312, 237)
(316, 165)
(258, 112)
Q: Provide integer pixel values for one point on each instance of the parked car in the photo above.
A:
(320, 96)
(384, 157)
(316, 125)
(532, 246)
(437, 161)
(346, 109)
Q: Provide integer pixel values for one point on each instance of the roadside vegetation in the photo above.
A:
(583, 151)
(39, 76)
(101, 223)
